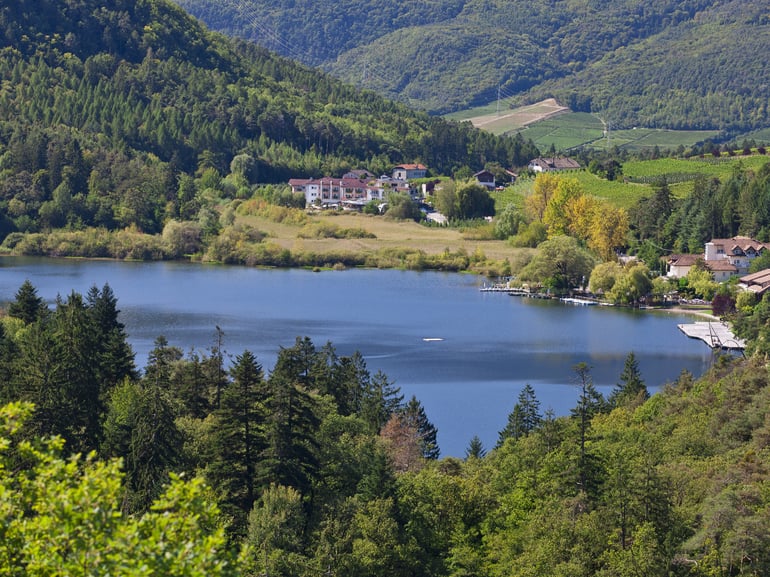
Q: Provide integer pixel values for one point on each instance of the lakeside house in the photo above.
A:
(758, 282)
(724, 257)
(555, 163)
(680, 264)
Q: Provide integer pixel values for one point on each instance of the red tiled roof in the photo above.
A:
(721, 265)
(412, 166)
(741, 242)
(761, 278)
(684, 259)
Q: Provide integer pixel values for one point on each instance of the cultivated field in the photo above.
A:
(510, 120)
(548, 124)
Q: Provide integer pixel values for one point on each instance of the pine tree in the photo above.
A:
(27, 306)
(475, 449)
(381, 399)
(631, 387)
(414, 414)
(238, 440)
(290, 458)
(524, 418)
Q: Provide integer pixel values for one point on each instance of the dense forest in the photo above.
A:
(109, 112)
(210, 464)
(662, 63)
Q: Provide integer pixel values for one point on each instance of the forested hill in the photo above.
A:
(662, 63)
(104, 105)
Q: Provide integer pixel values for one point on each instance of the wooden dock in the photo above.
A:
(715, 334)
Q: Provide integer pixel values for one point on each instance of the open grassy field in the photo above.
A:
(388, 235)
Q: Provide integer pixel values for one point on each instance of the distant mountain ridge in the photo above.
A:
(660, 63)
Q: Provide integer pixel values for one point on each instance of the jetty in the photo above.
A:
(579, 302)
(715, 334)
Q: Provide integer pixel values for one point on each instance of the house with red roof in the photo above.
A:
(409, 171)
(724, 257)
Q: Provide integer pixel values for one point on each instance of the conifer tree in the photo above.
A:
(238, 440)
(475, 448)
(114, 357)
(524, 418)
(290, 458)
(27, 306)
(631, 387)
(414, 414)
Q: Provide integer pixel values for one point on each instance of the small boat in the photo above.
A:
(432, 339)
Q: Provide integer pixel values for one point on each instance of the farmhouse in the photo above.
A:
(553, 164)
(486, 179)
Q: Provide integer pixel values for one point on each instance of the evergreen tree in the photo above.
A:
(154, 446)
(381, 399)
(524, 418)
(191, 387)
(290, 458)
(27, 306)
(161, 361)
(238, 439)
(8, 354)
(73, 331)
(631, 387)
(475, 449)
(214, 367)
(590, 403)
(414, 415)
(114, 357)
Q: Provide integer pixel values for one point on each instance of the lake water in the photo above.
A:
(481, 347)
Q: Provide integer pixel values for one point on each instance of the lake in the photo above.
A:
(464, 353)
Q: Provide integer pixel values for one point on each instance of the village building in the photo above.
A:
(350, 191)
(758, 282)
(724, 257)
(680, 264)
(738, 251)
(552, 164)
(409, 171)
(486, 179)
(359, 173)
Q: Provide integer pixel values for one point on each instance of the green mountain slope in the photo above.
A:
(660, 63)
(104, 106)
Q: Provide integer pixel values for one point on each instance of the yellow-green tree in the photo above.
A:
(544, 188)
(61, 516)
(608, 230)
(559, 212)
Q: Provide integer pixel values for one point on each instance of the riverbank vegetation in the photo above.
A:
(197, 465)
